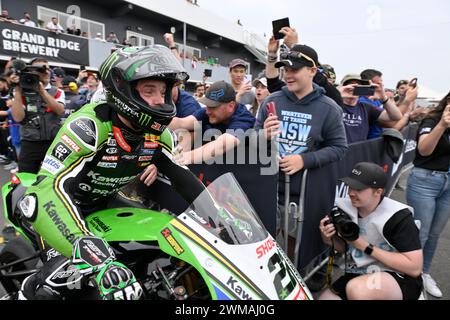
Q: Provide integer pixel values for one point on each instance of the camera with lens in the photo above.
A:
(344, 225)
(28, 79)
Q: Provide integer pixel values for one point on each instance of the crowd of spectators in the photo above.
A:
(54, 26)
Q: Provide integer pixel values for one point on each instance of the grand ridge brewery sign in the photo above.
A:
(22, 41)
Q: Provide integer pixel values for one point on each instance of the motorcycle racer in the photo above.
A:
(101, 148)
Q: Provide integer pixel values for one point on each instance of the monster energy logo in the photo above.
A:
(107, 65)
(144, 119)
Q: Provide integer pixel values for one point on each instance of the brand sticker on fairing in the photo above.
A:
(61, 151)
(151, 145)
(152, 137)
(85, 130)
(111, 150)
(147, 151)
(145, 158)
(70, 143)
(112, 142)
(265, 248)
(85, 187)
(52, 165)
(121, 140)
(167, 234)
(129, 156)
(110, 158)
(107, 164)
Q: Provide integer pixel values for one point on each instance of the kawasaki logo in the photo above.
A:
(101, 224)
(62, 227)
(232, 284)
(96, 177)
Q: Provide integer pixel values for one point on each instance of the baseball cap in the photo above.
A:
(71, 82)
(366, 175)
(218, 93)
(401, 82)
(59, 72)
(299, 56)
(67, 80)
(263, 81)
(353, 77)
(329, 71)
(238, 62)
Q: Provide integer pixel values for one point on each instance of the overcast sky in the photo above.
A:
(401, 38)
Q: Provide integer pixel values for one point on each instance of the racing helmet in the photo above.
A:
(120, 73)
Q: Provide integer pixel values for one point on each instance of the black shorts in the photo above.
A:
(411, 287)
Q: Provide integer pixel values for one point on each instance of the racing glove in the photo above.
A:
(92, 256)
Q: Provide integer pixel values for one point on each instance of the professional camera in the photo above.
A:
(344, 225)
(28, 79)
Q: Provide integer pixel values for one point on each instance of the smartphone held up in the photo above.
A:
(277, 25)
(271, 110)
(364, 90)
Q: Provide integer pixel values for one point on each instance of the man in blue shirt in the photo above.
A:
(358, 115)
(374, 76)
(222, 114)
(185, 103)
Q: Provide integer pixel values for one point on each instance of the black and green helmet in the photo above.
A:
(121, 71)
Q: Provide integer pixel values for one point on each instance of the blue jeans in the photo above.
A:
(428, 192)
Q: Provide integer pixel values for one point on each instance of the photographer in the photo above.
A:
(380, 239)
(38, 108)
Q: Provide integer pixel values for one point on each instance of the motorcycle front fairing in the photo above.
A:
(241, 258)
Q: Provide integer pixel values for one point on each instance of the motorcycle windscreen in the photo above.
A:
(224, 210)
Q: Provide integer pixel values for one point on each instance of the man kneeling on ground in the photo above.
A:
(385, 260)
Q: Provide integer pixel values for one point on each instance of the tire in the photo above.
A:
(15, 249)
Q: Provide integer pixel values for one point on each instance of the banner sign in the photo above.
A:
(27, 42)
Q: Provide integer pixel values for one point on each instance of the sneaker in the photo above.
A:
(10, 166)
(431, 286)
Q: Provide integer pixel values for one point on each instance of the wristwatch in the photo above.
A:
(368, 250)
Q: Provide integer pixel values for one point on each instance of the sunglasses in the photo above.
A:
(297, 55)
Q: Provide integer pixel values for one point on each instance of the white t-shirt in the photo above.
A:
(27, 23)
(56, 27)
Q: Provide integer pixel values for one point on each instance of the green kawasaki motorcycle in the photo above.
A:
(197, 255)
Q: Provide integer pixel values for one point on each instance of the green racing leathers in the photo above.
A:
(93, 155)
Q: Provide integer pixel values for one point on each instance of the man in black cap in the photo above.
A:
(307, 124)
(242, 87)
(57, 75)
(384, 262)
(222, 114)
(274, 83)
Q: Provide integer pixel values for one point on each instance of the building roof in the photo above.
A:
(196, 16)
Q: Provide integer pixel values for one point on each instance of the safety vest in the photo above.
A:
(40, 122)
(371, 229)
